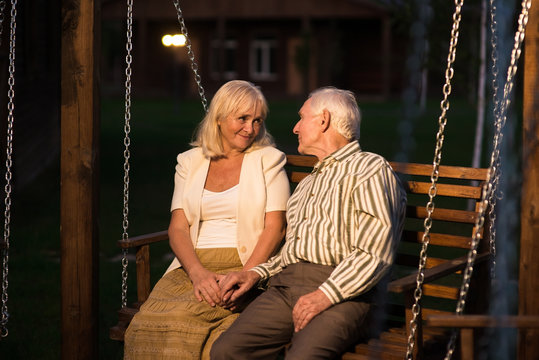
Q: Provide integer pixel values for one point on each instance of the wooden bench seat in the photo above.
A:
(456, 209)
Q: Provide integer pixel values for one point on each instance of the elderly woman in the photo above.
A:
(228, 214)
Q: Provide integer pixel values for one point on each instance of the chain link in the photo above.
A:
(191, 55)
(127, 143)
(9, 163)
(487, 191)
(442, 121)
(2, 8)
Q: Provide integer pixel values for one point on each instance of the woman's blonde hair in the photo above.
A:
(234, 96)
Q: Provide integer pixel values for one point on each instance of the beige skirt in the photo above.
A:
(172, 323)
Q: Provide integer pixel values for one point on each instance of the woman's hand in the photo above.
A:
(206, 286)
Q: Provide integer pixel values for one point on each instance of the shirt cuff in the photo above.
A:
(332, 291)
(262, 272)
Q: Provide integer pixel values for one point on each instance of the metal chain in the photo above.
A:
(494, 162)
(127, 142)
(9, 151)
(497, 127)
(127, 127)
(2, 8)
(191, 55)
(442, 121)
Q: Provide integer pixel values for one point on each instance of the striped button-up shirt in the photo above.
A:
(348, 213)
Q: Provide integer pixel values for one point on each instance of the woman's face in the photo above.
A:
(239, 129)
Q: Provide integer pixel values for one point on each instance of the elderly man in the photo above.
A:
(344, 223)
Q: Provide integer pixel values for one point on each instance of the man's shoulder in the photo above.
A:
(365, 159)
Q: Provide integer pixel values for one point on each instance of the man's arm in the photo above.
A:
(379, 207)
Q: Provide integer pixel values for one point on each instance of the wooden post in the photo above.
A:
(528, 347)
(78, 176)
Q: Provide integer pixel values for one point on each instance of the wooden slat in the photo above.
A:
(452, 190)
(301, 160)
(453, 215)
(296, 176)
(143, 239)
(412, 260)
(416, 187)
(457, 241)
(426, 312)
(452, 172)
(381, 351)
(441, 291)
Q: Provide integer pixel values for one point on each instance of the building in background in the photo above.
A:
(286, 47)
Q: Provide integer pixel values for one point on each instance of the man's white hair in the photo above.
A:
(342, 105)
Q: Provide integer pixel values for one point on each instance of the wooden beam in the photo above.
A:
(528, 347)
(78, 176)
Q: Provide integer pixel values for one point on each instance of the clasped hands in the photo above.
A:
(227, 290)
(223, 290)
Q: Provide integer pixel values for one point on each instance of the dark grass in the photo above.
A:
(160, 129)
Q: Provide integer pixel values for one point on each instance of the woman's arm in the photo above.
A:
(205, 282)
(269, 240)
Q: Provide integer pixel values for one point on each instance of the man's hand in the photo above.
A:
(307, 307)
(235, 284)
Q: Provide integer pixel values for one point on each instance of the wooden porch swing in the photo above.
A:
(460, 237)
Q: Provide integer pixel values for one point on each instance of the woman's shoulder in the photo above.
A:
(192, 153)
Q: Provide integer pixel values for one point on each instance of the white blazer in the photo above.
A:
(263, 187)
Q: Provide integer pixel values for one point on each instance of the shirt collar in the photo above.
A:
(339, 155)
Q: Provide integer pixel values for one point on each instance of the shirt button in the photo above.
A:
(297, 237)
(305, 218)
(312, 194)
(243, 249)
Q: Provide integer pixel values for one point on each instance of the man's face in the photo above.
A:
(307, 129)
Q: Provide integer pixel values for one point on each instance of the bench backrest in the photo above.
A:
(456, 205)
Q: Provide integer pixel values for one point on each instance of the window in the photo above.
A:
(229, 59)
(263, 59)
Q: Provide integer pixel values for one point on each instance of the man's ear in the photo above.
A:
(325, 120)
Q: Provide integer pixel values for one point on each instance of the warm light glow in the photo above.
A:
(174, 40)
(178, 40)
(167, 40)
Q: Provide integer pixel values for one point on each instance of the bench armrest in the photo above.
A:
(408, 283)
(145, 239)
(142, 245)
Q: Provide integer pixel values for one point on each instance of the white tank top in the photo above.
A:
(218, 225)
